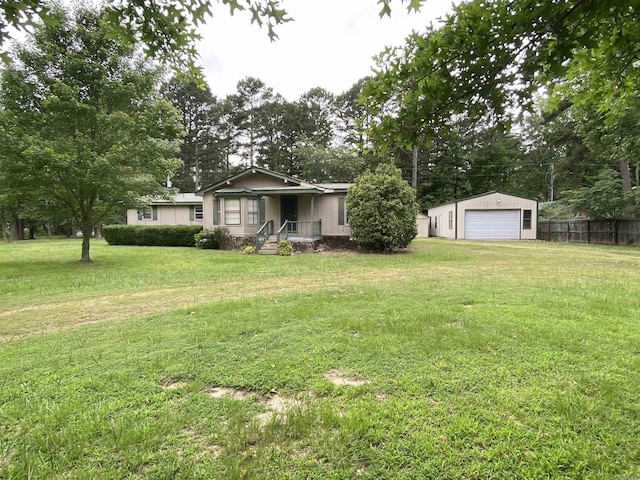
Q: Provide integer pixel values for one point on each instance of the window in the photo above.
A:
(216, 211)
(343, 218)
(195, 212)
(450, 219)
(253, 216)
(526, 219)
(148, 213)
(232, 211)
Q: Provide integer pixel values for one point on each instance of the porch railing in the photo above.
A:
(284, 230)
(263, 234)
(303, 230)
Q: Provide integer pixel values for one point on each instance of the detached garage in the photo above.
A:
(490, 216)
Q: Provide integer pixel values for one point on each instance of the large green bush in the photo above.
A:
(382, 209)
(154, 236)
(217, 239)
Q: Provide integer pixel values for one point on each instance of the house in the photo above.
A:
(490, 216)
(260, 203)
(182, 209)
(264, 206)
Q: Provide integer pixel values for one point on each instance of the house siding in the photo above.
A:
(328, 212)
(167, 215)
(422, 222)
(439, 225)
(500, 201)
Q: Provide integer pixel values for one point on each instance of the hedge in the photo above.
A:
(153, 236)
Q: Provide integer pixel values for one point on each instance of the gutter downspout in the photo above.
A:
(455, 236)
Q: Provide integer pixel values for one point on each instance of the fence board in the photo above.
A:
(609, 232)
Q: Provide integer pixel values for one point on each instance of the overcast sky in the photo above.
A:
(330, 44)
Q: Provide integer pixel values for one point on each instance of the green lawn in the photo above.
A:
(468, 360)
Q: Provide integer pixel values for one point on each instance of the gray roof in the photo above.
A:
(179, 199)
(335, 186)
(292, 185)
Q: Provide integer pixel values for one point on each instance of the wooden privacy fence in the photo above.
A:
(611, 232)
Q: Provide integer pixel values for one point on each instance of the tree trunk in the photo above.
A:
(17, 232)
(86, 238)
(414, 170)
(625, 173)
(626, 176)
(47, 228)
(3, 220)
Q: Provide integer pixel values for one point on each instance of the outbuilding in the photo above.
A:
(489, 216)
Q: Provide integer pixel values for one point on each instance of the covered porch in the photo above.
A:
(289, 217)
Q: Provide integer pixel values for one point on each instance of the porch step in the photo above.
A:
(269, 248)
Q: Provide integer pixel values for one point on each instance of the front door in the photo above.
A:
(289, 211)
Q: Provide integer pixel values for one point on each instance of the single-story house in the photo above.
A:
(489, 216)
(265, 205)
(260, 202)
(182, 209)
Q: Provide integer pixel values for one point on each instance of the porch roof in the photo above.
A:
(289, 185)
(254, 192)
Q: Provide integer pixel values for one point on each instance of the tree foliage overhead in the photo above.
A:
(166, 28)
(382, 209)
(487, 57)
(84, 129)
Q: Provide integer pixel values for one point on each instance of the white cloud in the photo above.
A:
(330, 44)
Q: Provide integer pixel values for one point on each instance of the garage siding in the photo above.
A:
(492, 224)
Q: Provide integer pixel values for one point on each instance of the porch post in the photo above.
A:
(313, 198)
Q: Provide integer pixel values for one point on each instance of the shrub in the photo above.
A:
(217, 239)
(284, 248)
(382, 209)
(249, 250)
(153, 236)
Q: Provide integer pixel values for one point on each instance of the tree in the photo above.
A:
(252, 96)
(86, 133)
(201, 155)
(487, 59)
(351, 118)
(317, 112)
(319, 164)
(604, 199)
(382, 209)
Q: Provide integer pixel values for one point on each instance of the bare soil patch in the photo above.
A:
(171, 384)
(339, 377)
(226, 392)
(275, 404)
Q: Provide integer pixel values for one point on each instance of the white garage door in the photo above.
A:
(492, 224)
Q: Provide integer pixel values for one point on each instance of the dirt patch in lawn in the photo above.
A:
(274, 403)
(339, 377)
(226, 392)
(171, 384)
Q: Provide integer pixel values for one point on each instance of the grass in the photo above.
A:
(481, 360)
